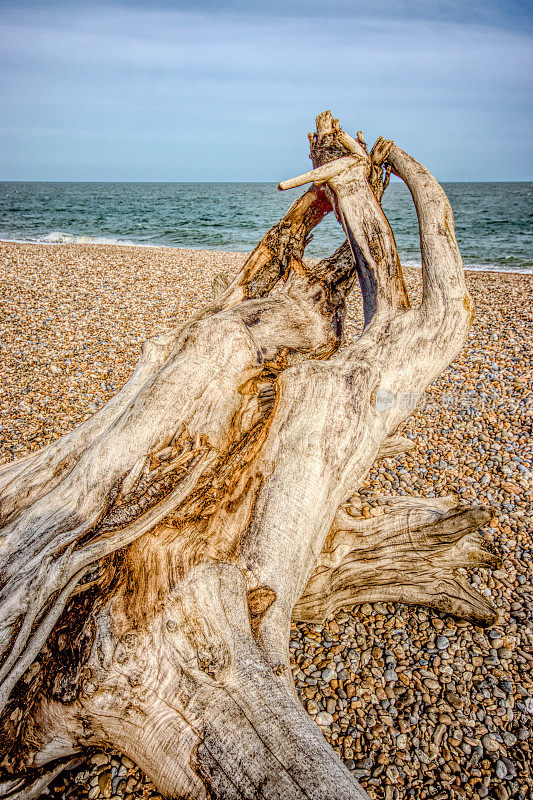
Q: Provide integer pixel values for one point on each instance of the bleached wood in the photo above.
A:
(197, 706)
(395, 446)
(321, 174)
(206, 506)
(409, 554)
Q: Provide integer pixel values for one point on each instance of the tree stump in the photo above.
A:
(153, 558)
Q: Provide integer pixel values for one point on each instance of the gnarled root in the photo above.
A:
(408, 554)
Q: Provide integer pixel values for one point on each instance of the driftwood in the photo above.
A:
(152, 559)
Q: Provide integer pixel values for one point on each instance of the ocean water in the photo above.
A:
(493, 220)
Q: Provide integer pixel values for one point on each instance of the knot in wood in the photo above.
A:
(213, 661)
(130, 640)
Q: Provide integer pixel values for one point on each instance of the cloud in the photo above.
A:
(153, 91)
(498, 13)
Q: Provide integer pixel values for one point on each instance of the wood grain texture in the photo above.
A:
(164, 546)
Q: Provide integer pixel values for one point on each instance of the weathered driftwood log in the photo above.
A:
(152, 560)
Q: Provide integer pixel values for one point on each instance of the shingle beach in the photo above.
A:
(418, 704)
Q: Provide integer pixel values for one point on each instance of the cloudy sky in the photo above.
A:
(228, 90)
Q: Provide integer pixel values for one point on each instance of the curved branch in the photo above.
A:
(442, 265)
(367, 229)
(409, 555)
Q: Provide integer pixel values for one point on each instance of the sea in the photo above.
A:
(493, 221)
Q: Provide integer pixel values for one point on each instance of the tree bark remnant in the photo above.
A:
(152, 559)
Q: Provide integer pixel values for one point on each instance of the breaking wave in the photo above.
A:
(60, 237)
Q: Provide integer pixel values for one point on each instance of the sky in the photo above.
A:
(227, 91)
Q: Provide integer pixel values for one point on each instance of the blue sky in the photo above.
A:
(228, 90)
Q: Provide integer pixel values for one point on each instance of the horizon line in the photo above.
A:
(393, 180)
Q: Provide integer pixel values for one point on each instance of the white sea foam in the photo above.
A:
(60, 237)
(497, 268)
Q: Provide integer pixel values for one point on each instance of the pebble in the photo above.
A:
(489, 743)
(324, 718)
(501, 792)
(454, 700)
(99, 759)
(386, 681)
(501, 769)
(402, 741)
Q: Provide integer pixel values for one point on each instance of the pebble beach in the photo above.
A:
(417, 704)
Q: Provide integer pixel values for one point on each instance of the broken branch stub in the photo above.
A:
(152, 560)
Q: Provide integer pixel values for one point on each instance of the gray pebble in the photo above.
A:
(501, 769)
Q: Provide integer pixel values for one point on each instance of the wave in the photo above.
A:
(498, 268)
(61, 237)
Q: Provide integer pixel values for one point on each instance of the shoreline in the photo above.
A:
(413, 700)
(407, 264)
